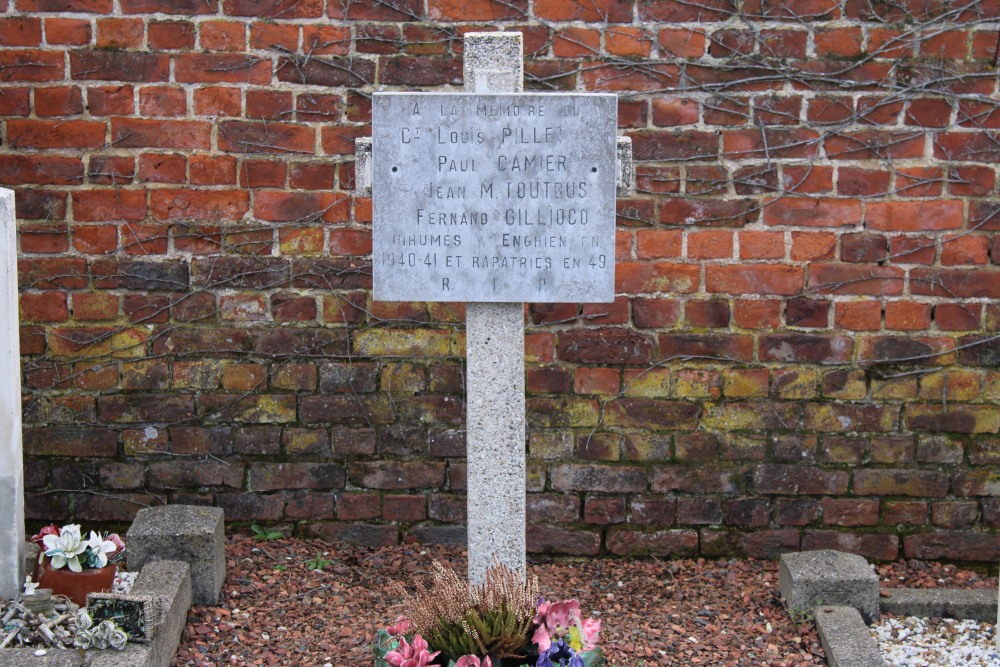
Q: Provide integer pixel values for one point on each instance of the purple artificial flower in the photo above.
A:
(559, 654)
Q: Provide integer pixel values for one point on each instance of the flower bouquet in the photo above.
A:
(73, 566)
(502, 622)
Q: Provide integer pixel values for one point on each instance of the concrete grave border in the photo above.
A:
(171, 585)
(842, 630)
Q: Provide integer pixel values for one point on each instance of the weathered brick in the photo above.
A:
(599, 478)
(397, 474)
(631, 542)
(799, 480)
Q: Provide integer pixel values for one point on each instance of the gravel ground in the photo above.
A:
(278, 611)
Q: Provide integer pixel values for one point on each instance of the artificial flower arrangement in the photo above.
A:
(65, 547)
(501, 622)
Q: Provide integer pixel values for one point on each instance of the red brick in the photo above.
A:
(15, 102)
(812, 313)
(43, 238)
(714, 244)
(280, 9)
(859, 315)
(654, 179)
(907, 316)
(171, 35)
(874, 145)
(95, 239)
(911, 250)
(196, 204)
(118, 33)
(655, 313)
(276, 36)
(109, 205)
(162, 101)
(965, 250)
(129, 66)
(55, 133)
(259, 137)
(915, 216)
(651, 277)
(812, 212)
(326, 40)
(170, 6)
(674, 111)
(754, 279)
(70, 32)
(311, 176)
(838, 42)
(764, 314)
(212, 169)
(971, 181)
(32, 65)
(44, 307)
(222, 36)
(20, 31)
(95, 306)
(684, 145)
(350, 242)
(928, 112)
(270, 104)
(777, 110)
(762, 245)
(58, 101)
(110, 100)
(707, 180)
(772, 142)
(676, 11)
(300, 206)
(221, 68)
(957, 316)
(148, 133)
(217, 101)
(575, 42)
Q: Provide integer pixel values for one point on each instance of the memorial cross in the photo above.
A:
(494, 197)
(11, 469)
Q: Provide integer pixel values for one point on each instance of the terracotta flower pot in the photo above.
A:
(74, 585)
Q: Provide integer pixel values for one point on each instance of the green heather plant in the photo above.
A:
(491, 619)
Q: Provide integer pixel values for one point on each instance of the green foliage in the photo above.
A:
(593, 657)
(267, 534)
(318, 563)
(383, 643)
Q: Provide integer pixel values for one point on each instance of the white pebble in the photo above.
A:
(916, 642)
(40, 652)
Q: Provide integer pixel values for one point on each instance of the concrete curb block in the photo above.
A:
(977, 605)
(169, 584)
(846, 639)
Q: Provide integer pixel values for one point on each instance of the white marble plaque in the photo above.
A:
(494, 198)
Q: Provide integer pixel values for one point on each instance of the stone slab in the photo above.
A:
(168, 583)
(494, 197)
(809, 579)
(846, 639)
(978, 605)
(189, 533)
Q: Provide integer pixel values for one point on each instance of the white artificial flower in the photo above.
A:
(65, 548)
(100, 548)
(118, 639)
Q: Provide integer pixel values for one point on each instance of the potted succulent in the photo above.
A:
(500, 623)
(73, 566)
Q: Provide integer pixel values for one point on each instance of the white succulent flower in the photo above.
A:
(100, 548)
(65, 548)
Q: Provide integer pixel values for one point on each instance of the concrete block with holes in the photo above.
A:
(189, 533)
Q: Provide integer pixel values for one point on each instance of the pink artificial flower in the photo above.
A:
(51, 529)
(473, 661)
(589, 629)
(117, 541)
(556, 619)
(400, 627)
(411, 655)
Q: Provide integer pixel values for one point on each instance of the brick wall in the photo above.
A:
(805, 347)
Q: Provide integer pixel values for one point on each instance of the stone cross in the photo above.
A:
(495, 404)
(11, 467)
